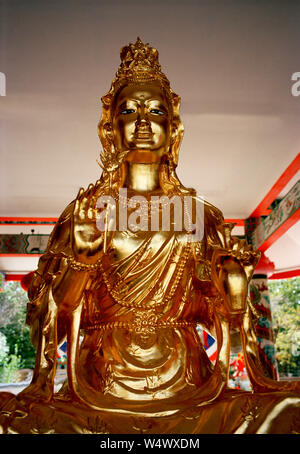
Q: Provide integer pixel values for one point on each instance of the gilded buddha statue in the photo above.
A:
(128, 300)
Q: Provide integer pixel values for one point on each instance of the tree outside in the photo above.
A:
(16, 350)
(285, 302)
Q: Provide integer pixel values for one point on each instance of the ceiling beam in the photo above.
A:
(263, 208)
(281, 218)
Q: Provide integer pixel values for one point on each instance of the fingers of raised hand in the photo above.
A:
(78, 201)
(91, 201)
(83, 202)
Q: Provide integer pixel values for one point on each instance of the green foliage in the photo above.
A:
(285, 301)
(9, 366)
(3, 348)
(18, 336)
(285, 291)
(13, 301)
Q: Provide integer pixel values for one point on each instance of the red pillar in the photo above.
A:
(259, 294)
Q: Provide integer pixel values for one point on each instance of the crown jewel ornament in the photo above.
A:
(139, 63)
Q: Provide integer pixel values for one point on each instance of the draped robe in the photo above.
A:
(141, 366)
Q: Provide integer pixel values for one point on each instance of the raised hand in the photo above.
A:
(87, 240)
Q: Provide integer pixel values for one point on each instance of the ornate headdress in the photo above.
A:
(139, 63)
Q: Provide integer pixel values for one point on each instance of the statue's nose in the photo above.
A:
(143, 120)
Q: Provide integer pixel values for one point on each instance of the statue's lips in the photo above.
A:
(143, 135)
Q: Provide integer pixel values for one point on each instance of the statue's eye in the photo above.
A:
(127, 111)
(157, 112)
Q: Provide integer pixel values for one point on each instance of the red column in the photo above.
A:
(263, 326)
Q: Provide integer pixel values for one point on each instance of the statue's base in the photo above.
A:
(236, 412)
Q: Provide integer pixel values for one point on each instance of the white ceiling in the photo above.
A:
(285, 251)
(231, 62)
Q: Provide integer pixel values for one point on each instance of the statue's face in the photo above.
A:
(142, 122)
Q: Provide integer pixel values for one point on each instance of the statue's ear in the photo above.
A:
(105, 127)
(174, 132)
(108, 131)
(105, 132)
(174, 142)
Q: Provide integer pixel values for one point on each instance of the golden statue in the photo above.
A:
(128, 300)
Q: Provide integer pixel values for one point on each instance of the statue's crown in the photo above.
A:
(139, 62)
